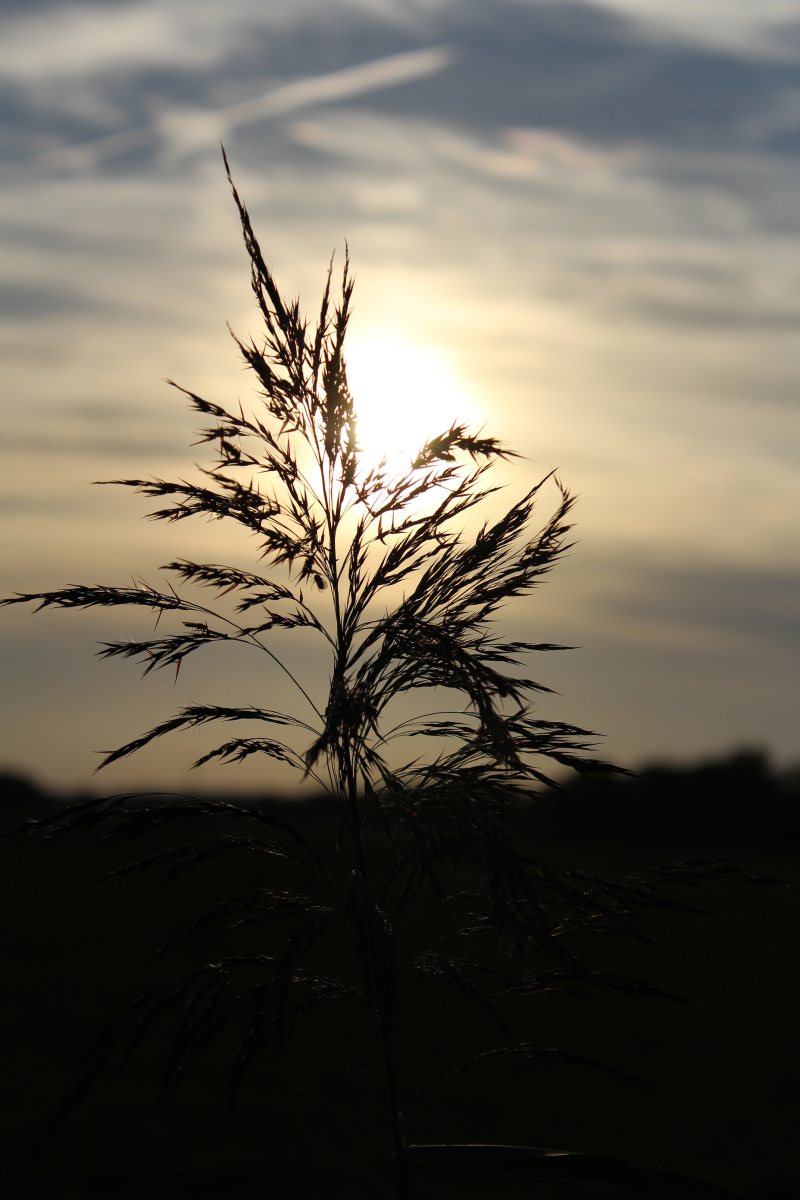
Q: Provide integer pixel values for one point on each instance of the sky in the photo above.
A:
(575, 224)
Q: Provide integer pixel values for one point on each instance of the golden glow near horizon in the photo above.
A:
(405, 393)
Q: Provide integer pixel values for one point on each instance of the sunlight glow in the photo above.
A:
(405, 393)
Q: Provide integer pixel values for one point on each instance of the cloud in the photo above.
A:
(184, 129)
(23, 299)
(726, 313)
(580, 71)
(717, 606)
(737, 25)
(76, 446)
(74, 41)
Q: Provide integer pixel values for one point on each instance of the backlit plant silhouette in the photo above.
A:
(376, 565)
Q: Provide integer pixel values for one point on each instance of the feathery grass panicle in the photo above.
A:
(337, 541)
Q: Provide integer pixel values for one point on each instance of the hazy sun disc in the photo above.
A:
(405, 393)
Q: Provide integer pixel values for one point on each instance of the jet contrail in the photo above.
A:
(193, 128)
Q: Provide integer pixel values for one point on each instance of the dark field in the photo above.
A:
(725, 1072)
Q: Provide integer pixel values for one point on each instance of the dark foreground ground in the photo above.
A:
(725, 1072)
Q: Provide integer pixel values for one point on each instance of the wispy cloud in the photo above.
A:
(738, 25)
(182, 130)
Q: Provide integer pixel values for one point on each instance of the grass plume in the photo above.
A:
(376, 565)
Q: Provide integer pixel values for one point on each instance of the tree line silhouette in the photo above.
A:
(740, 798)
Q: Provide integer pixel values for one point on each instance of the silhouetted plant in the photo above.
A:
(378, 568)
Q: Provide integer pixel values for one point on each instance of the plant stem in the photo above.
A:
(382, 1011)
(402, 1179)
(348, 776)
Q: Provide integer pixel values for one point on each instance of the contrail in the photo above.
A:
(371, 76)
(189, 129)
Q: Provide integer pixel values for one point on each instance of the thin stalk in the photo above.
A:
(402, 1178)
(383, 1015)
(348, 776)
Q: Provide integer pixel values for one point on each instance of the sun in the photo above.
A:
(405, 392)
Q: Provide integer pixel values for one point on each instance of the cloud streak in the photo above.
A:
(186, 130)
